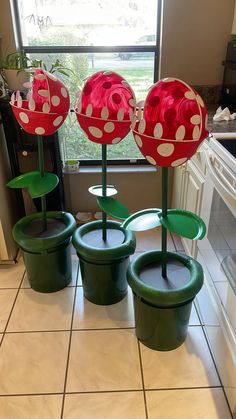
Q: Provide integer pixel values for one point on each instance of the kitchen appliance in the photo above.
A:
(228, 93)
(217, 253)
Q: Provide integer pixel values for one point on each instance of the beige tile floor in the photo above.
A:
(62, 357)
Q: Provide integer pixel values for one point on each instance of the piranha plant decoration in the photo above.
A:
(43, 237)
(168, 131)
(105, 109)
(165, 283)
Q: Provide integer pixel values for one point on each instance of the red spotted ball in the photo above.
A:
(46, 106)
(106, 108)
(172, 124)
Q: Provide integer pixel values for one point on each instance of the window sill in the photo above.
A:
(114, 169)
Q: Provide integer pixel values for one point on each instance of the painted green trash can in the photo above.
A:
(104, 264)
(162, 306)
(46, 253)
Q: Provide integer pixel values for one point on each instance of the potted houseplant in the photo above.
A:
(104, 110)
(17, 66)
(167, 131)
(12, 69)
(44, 237)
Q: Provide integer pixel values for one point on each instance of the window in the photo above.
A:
(87, 36)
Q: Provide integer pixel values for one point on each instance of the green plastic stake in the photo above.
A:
(104, 188)
(164, 216)
(41, 169)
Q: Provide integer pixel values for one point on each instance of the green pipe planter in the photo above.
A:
(162, 310)
(104, 264)
(46, 253)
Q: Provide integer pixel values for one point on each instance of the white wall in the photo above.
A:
(195, 36)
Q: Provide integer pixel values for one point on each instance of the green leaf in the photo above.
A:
(113, 207)
(184, 223)
(42, 185)
(37, 185)
(143, 220)
(22, 181)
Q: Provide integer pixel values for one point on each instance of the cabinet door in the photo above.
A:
(192, 200)
(178, 187)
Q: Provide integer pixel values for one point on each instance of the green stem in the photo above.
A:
(104, 190)
(41, 170)
(164, 215)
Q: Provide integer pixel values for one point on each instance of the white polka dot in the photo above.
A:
(190, 95)
(31, 104)
(178, 162)
(89, 110)
(151, 160)
(180, 133)
(132, 102)
(168, 79)
(19, 102)
(40, 77)
(116, 140)
(105, 112)
(120, 114)
(138, 140)
(57, 121)
(64, 92)
(142, 126)
(165, 150)
(43, 92)
(195, 119)
(39, 130)
(109, 127)
(196, 132)
(79, 107)
(46, 107)
(51, 76)
(96, 132)
(27, 85)
(133, 122)
(200, 101)
(131, 114)
(13, 97)
(24, 117)
(158, 130)
(55, 100)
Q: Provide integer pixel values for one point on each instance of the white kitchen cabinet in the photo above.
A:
(188, 186)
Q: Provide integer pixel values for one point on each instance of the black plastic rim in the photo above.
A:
(113, 253)
(41, 244)
(165, 298)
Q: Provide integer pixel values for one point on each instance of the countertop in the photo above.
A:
(221, 126)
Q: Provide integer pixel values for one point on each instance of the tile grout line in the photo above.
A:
(69, 345)
(142, 377)
(111, 391)
(13, 305)
(74, 330)
(218, 375)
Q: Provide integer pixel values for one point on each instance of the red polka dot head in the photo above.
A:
(106, 107)
(46, 105)
(172, 125)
